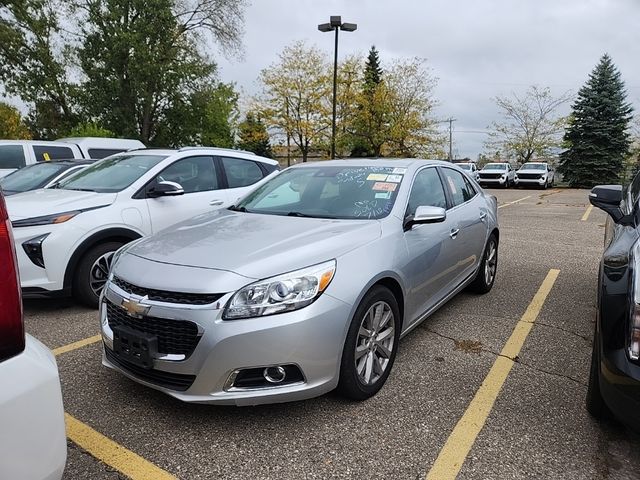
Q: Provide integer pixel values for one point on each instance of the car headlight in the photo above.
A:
(282, 293)
(51, 219)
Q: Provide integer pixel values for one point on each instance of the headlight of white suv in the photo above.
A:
(283, 293)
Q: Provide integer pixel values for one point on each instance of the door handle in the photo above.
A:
(454, 232)
(216, 202)
(483, 216)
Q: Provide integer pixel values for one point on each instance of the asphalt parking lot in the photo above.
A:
(430, 418)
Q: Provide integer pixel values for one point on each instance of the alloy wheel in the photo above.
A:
(100, 272)
(491, 263)
(375, 343)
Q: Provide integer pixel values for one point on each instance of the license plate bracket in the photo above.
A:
(135, 347)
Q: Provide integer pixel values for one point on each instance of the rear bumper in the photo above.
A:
(32, 434)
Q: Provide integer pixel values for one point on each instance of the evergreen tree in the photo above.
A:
(372, 69)
(597, 136)
(367, 140)
(254, 136)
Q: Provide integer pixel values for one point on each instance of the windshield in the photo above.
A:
(533, 166)
(495, 166)
(465, 166)
(112, 174)
(328, 192)
(32, 177)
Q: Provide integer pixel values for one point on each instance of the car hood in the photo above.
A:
(49, 201)
(530, 170)
(254, 245)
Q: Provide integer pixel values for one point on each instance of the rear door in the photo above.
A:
(12, 157)
(200, 180)
(467, 214)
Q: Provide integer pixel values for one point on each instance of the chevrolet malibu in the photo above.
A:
(305, 285)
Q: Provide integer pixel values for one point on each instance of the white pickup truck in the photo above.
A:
(15, 154)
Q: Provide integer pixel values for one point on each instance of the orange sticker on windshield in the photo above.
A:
(385, 187)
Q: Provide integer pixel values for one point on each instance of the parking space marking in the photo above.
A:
(585, 217)
(116, 456)
(76, 345)
(455, 451)
(515, 201)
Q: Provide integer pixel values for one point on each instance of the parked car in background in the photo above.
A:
(67, 235)
(471, 169)
(41, 175)
(614, 380)
(537, 174)
(33, 444)
(288, 296)
(15, 154)
(497, 175)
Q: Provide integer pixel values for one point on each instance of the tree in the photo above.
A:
(597, 137)
(254, 136)
(372, 69)
(90, 129)
(530, 125)
(296, 96)
(12, 126)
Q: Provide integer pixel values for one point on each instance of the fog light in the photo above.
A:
(274, 374)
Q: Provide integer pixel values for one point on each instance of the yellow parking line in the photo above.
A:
(515, 201)
(585, 217)
(463, 436)
(116, 456)
(76, 345)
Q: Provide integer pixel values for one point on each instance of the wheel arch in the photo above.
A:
(124, 235)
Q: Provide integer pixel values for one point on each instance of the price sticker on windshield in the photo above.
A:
(385, 186)
(378, 177)
(394, 178)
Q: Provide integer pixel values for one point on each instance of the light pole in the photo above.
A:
(335, 23)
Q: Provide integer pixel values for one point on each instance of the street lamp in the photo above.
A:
(335, 23)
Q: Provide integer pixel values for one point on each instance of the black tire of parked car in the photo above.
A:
(594, 401)
(82, 290)
(479, 284)
(349, 384)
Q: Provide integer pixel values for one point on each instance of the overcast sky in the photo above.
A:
(478, 49)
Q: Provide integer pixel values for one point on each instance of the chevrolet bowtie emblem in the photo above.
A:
(134, 306)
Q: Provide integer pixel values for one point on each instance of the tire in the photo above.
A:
(85, 280)
(594, 401)
(483, 283)
(353, 382)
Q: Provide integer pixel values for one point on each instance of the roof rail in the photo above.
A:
(218, 149)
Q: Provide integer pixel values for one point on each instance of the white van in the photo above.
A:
(15, 154)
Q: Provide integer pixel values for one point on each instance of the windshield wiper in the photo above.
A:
(233, 208)
(305, 215)
(79, 189)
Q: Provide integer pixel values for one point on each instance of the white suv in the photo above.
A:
(66, 236)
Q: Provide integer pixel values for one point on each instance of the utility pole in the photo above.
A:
(288, 136)
(451, 120)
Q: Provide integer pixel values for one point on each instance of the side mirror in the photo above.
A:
(425, 215)
(608, 198)
(165, 189)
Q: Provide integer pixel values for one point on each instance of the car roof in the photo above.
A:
(374, 162)
(204, 150)
(34, 142)
(103, 142)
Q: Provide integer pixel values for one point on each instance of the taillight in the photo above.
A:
(11, 323)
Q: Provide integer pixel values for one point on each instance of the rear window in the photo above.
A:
(99, 153)
(11, 156)
(45, 153)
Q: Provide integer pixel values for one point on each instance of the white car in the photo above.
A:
(497, 175)
(15, 154)
(471, 169)
(537, 174)
(67, 235)
(33, 444)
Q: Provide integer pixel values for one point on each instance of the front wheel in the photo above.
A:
(371, 345)
(486, 276)
(92, 273)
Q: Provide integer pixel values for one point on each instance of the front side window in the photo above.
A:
(44, 153)
(12, 156)
(460, 188)
(328, 192)
(194, 174)
(112, 174)
(426, 191)
(241, 173)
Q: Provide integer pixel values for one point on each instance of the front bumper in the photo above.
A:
(311, 338)
(537, 182)
(492, 181)
(620, 387)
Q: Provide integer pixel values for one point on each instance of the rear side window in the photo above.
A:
(460, 188)
(241, 173)
(99, 153)
(45, 153)
(12, 156)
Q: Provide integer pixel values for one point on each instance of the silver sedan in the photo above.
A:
(304, 286)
